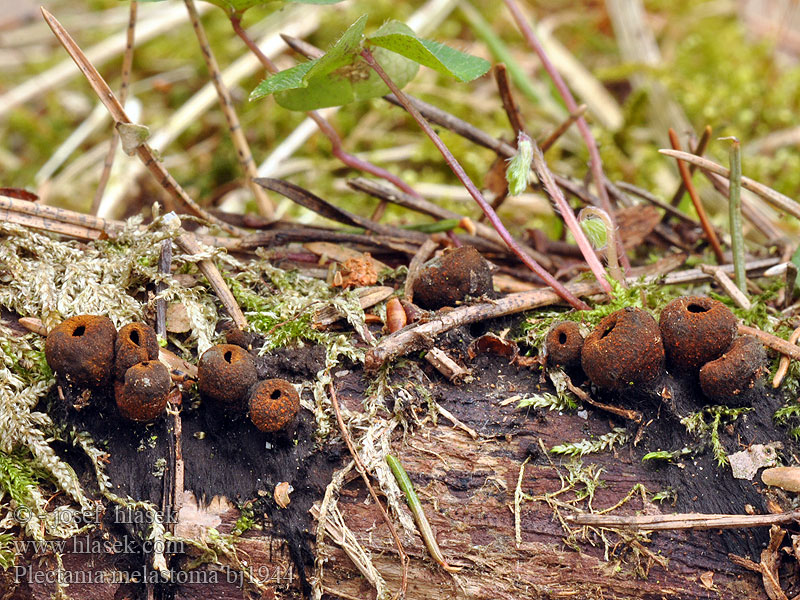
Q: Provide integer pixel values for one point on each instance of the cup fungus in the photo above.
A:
(624, 349)
(81, 349)
(723, 380)
(274, 403)
(696, 330)
(142, 396)
(563, 344)
(136, 342)
(451, 277)
(225, 374)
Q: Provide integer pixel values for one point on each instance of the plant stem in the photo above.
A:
(243, 152)
(473, 191)
(735, 212)
(698, 205)
(127, 63)
(337, 148)
(595, 162)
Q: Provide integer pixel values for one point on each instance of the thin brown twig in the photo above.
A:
(509, 104)
(783, 364)
(772, 341)
(127, 64)
(699, 150)
(774, 198)
(265, 206)
(562, 128)
(698, 204)
(145, 153)
(473, 191)
(629, 414)
(682, 521)
(363, 471)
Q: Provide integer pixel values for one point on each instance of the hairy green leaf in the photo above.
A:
(288, 79)
(399, 38)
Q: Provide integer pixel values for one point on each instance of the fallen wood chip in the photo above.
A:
(786, 478)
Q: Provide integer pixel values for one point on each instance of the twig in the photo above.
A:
(114, 107)
(265, 207)
(189, 244)
(768, 567)
(562, 128)
(741, 300)
(474, 192)
(419, 514)
(127, 63)
(363, 472)
(699, 150)
(772, 341)
(557, 197)
(164, 267)
(682, 521)
(449, 368)
(698, 205)
(774, 198)
(509, 104)
(629, 414)
(596, 164)
(652, 199)
(735, 213)
(337, 148)
(783, 364)
(518, 495)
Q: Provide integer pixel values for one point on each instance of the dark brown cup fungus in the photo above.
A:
(451, 277)
(624, 350)
(274, 403)
(696, 330)
(81, 349)
(225, 374)
(563, 344)
(136, 342)
(142, 396)
(725, 379)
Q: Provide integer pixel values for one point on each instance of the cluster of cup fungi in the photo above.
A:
(695, 336)
(88, 352)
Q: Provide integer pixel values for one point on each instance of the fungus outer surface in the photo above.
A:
(225, 374)
(81, 349)
(136, 342)
(625, 349)
(564, 343)
(696, 330)
(723, 380)
(274, 403)
(450, 278)
(142, 396)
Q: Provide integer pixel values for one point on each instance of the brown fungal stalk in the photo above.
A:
(274, 403)
(625, 349)
(142, 396)
(225, 374)
(81, 349)
(696, 330)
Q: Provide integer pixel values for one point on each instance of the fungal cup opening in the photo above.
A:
(79, 331)
(134, 337)
(275, 394)
(228, 356)
(562, 337)
(696, 308)
(608, 330)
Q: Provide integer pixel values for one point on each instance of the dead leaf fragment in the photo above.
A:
(178, 318)
(281, 494)
(707, 579)
(745, 464)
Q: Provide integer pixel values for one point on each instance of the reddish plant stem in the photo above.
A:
(698, 205)
(473, 191)
(337, 148)
(595, 163)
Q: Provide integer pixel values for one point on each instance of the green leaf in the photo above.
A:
(344, 52)
(290, 79)
(398, 37)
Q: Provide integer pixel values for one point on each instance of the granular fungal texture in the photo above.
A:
(723, 380)
(563, 344)
(450, 278)
(142, 396)
(625, 349)
(225, 374)
(274, 403)
(81, 349)
(136, 342)
(696, 330)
